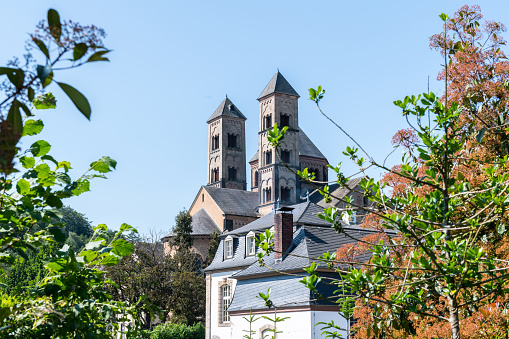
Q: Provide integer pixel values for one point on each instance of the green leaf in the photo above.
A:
(480, 134)
(79, 51)
(77, 98)
(41, 46)
(63, 177)
(14, 117)
(94, 244)
(126, 228)
(103, 165)
(501, 228)
(27, 162)
(45, 74)
(54, 201)
(98, 56)
(25, 109)
(40, 148)
(17, 77)
(33, 127)
(22, 186)
(122, 247)
(57, 233)
(45, 101)
(31, 94)
(54, 24)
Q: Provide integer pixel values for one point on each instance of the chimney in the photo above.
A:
(283, 229)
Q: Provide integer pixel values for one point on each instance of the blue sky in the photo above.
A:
(174, 61)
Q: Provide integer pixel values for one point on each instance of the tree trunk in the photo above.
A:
(454, 318)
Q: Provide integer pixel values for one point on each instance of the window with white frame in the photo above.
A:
(250, 243)
(225, 316)
(228, 251)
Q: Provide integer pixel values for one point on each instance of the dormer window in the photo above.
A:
(250, 243)
(228, 248)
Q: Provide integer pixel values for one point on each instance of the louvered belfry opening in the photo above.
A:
(283, 229)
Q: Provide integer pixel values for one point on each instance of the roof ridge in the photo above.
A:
(226, 108)
(278, 84)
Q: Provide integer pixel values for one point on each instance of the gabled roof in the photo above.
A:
(202, 224)
(303, 214)
(306, 148)
(234, 202)
(308, 242)
(335, 190)
(278, 84)
(228, 109)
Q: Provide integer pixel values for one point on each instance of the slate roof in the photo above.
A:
(306, 148)
(278, 84)
(303, 214)
(202, 224)
(226, 108)
(234, 202)
(308, 241)
(286, 291)
(335, 190)
(239, 258)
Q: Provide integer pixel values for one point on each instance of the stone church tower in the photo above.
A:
(227, 147)
(278, 103)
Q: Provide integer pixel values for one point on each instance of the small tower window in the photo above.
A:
(268, 157)
(215, 142)
(256, 179)
(232, 173)
(232, 140)
(268, 122)
(215, 175)
(285, 120)
(285, 194)
(285, 156)
(268, 196)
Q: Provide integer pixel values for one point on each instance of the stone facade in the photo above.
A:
(226, 163)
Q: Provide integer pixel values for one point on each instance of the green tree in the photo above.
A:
(437, 266)
(212, 248)
(172, 282)
(70, 300)
(182, 230)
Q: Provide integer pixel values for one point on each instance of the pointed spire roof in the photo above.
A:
(278, 84)
(227, 108)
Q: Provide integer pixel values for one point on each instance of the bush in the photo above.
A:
(178, 331)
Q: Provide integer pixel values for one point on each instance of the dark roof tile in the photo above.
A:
(227, 108)
(278, 84)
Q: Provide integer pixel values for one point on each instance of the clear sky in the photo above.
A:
(174, 61)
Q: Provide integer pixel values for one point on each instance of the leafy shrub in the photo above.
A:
(178, 331)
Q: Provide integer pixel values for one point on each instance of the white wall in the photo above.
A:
(219, 332)
(323, 316)
(297, 326)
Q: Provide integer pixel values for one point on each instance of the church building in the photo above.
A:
(278, 200)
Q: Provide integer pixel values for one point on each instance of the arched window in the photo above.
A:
(256, 179)
(268, 158)
(232, 173)
(285, 155)
(215, 142)
(267, 121)
(268, 196)
(284, 120)
(232, 140)
(285, 194)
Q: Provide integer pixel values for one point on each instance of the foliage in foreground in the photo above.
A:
(178, 331)
(70, 300)
(438, 267)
